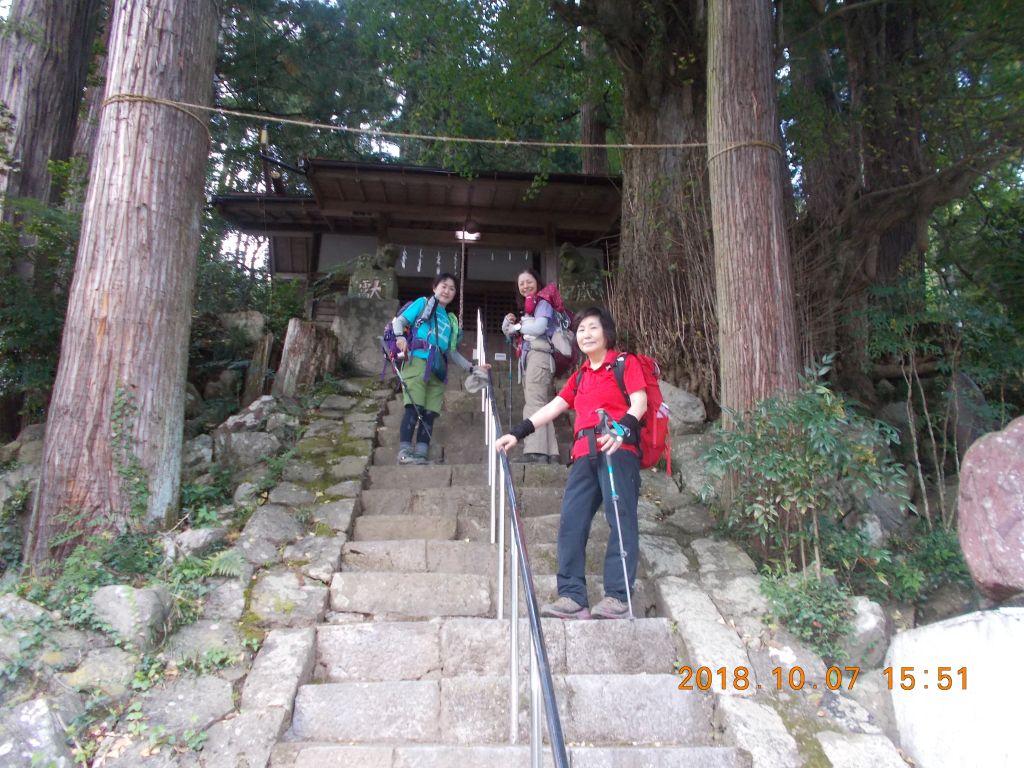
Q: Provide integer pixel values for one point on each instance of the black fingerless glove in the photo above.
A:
(523, 429)
(630, 422)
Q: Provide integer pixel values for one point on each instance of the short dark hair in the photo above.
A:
(607, 323)
(520, 299)
(445, 276)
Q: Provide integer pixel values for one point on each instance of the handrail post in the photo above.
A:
(513, 671)
(501, 553)
(542, 693)
(535, 700)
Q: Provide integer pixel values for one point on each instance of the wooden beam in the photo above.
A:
(535, 220)
(435, 237)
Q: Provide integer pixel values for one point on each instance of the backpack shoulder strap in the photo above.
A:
(576, 379)
(619, 368)
(428, 310)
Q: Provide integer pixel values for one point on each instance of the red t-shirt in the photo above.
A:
(599, 389)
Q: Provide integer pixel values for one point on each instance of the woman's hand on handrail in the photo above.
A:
(503, 443)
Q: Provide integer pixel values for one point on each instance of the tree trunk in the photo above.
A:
(44, 57)
(662, 293)
(88, 125)
(259, 368)
(757, 340)
(593, 116)
(112, 453)
(309, 352)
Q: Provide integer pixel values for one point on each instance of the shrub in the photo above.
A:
(790, 463)
(816, 610)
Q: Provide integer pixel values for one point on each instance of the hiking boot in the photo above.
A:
(565, 608)
(610, 608)
(531, 458)
(420, 459)
(406, 456)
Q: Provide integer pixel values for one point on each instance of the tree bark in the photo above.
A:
(662, 293)
(44, 58)
(112, 451)
(259, 368)
(88, 125)
(309, 352)
(593, 116)
(757, 338)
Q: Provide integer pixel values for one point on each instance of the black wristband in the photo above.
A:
(630, 422)
(523, 429)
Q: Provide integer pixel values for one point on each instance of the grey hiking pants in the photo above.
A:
(537, 376)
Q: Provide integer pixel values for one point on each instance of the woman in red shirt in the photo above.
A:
(591, 389)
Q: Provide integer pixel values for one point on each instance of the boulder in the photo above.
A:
(224, 387)
(196, 457)
(688, 413)
(249, 323)
(867, 642)
(193, 401)
(253, 417)
(991, 506)
(244, 449)
(187, 703)
(686, 453)
(284, 426)
(964, 725)
(946, 601)
(974, 724)
(139, 616)
(357, 325)
(31, 735)
(196, 541)
(109, 670)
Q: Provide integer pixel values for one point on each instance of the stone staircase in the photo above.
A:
(411, 666)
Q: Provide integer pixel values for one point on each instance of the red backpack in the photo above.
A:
(563, 342)
(654, 442)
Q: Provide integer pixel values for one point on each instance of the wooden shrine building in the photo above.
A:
(504, 220)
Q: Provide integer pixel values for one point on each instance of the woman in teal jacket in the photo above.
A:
(435, 338)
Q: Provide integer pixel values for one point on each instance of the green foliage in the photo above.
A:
(10, 527)
(134, 478)
(275, 470)
(516, 72)
(298, 58)
(199, 501)
(792, 460)
(33, 635)
(815, 610)
(43, 239)
(149, 672)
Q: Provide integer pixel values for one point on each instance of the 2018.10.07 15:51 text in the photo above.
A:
(738, 678)
(794, 678)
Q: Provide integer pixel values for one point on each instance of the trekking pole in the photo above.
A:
(615, 506)
(405, 389)
(510, 358)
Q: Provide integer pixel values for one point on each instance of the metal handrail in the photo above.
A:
(541, 684)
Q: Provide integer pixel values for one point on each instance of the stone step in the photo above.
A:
(441, 476)
(421, 650)
(643, 595)
(411, 595)
(533, 501)
(319, 755)
(419, 555)
(394, 527)
(447, 432)
(595, 710)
